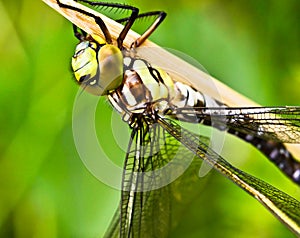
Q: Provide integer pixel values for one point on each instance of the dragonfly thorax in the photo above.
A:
(98, 67)
(141, 94)
(149, 90)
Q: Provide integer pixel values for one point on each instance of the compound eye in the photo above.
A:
(78, 53)
(80, 48)
(84, 62)
(84, 78)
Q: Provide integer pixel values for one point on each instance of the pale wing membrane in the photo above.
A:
(280, 124)
(142, 214)
(139, 203)
(284, 207)
(148, 213)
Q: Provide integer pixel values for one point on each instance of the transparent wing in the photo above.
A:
(147, 196)
(281, 124)
(284, 207)
(140, 203)
(148, 214)
(144, 212)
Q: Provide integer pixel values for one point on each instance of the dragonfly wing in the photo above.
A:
(145, 205)
(283, 206)
(281, 124)
(143, 212)
(149, 192)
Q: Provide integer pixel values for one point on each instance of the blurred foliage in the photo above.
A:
(252, 46)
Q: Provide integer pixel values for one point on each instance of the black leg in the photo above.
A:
(79, 33)
(129, 22)
(160, 16)
(98, 20)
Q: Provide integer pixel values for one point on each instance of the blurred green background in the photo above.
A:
(46, 191)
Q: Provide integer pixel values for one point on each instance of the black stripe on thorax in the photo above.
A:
(155, 74)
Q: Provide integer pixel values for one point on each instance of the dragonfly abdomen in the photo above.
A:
(275, 151)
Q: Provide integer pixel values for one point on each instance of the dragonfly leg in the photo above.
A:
(78, 33)
(131, 19)
(160, 16)
(98, 20)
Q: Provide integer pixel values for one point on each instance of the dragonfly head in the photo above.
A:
(97, 66)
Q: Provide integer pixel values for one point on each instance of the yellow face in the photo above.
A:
(98, 67)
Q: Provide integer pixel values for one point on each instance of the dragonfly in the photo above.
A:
(154, 105)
